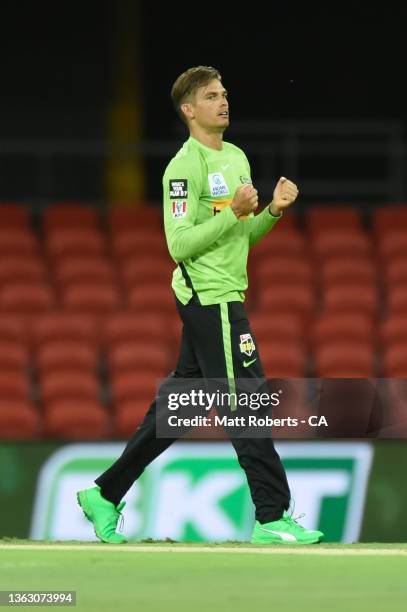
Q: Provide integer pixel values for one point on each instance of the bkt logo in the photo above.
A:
(198, 492)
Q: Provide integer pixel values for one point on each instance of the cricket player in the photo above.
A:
(210, 226)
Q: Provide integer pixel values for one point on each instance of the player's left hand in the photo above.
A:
(285, 194)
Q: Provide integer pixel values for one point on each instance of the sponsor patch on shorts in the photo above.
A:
(178, 188)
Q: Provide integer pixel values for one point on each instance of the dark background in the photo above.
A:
(59, 63)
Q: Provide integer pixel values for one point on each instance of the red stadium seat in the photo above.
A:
(136, 356)
(26, 298)
(66, 354)
(13, 355)
(283, 270)
(326, 218)
(14, 216)
(75, 242)
(95, 298)
(70, 215)
(19, 420)
(22, 268)
(75, 419)
(13, 327)
(128, 415)
(151, 298)
(134, 385)
(281, 242)
(351, 297)
(393, 244)
(134, 217)
(143, 269)
(336, 326)
(344, 359)
(397, 299)
(17, 242)
(395, 272)
(276, 326)
(394, 329)
(14, 385)
(133, 243)
(341, 243)
(68, 384)
(389, 217)
(135, 327)
(83, 269)
(347, 269)
(395, 360)
(284, 359)
(63, 326)
(296, 299)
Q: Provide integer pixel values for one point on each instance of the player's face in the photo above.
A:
(210, 107)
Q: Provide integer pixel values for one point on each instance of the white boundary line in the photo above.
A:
(276, 550)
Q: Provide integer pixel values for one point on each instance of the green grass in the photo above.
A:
(196, 582)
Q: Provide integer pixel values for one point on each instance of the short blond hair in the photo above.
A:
(188, 82)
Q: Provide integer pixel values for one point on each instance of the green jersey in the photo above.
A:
(204, 236)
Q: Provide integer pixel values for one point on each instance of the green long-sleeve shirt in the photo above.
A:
(204, 236)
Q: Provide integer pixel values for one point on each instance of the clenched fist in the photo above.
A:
(285, 194)
(245, 200)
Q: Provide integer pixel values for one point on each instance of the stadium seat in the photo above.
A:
(326, 218)
(151, 298)
(143, 269)
(14, 216)
(344, 359)
(63, 326)
(341, 243)
(397, 299)
(20, 269)
(395, 360)
(13, 327)
(295, 299)
(66, 354)
(68, 384)
(74, 419)
(393, 244)
(127, 417)
(14, 355)
(347, 269)
(276, 326)
(395, 272)
(283, 359)
(389, 217)
(134, 384)
(83, 269)
(134, 356)
(394, 329)
(14, 385)
(287, 270)
(19, 420)
(17, 242)
(133, 243)
(133, 217)
(69, 215)
(91, 298)
(351, 297)
(26, 298)
(281, 242)
(337, 326)
(139, 328)
(75, 242)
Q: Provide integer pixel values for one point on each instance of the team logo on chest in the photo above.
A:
(246, 345)
(217, 184)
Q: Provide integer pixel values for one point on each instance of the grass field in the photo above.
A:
(235, 577)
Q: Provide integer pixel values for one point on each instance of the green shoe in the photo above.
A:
(102, 513)
(284, 531)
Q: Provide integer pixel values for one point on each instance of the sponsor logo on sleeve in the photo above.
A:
(178, 188)
(217, 184)
(179, 210)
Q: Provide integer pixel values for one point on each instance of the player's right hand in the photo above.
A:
(245, 200)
